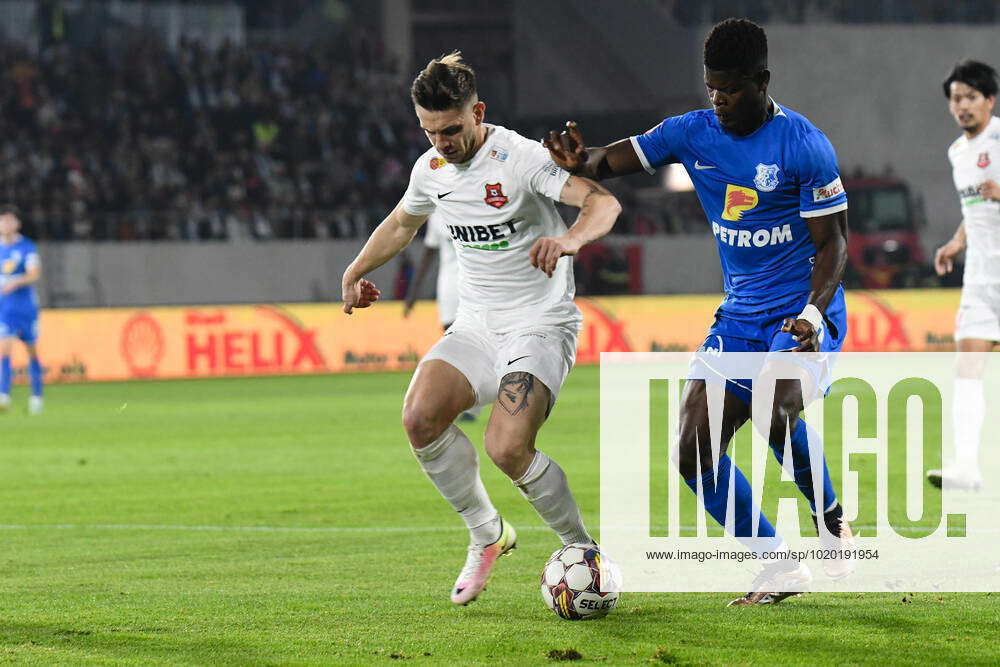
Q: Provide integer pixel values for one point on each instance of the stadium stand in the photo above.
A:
(138, 142)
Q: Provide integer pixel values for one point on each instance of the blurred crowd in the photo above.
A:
(239, 143)
(139, 142)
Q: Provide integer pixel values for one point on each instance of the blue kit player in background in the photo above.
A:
(769, 184)
(20, 269)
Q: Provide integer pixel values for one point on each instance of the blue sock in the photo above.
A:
(801, 438)
(5, 375)
(35, 375)
(715, 486)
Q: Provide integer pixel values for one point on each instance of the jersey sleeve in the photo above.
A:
(432, 237)
(538, 173)
(417, 199)
(820, 189)
(660, 145)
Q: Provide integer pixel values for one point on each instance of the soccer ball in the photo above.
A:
(571, 582)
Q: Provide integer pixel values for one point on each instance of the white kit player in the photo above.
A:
(971, 89)
(514, 337)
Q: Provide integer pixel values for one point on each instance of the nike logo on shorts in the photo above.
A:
(697, 165)
(518, 359)
(442, 195)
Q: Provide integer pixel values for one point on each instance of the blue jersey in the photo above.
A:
(15, 260)
(757, 192)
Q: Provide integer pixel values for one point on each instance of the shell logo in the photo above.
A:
(142, 344)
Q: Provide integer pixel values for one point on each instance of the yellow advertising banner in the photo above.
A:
(222, 341)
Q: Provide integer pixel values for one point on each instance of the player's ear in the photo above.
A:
(479, 111)
(763, 78)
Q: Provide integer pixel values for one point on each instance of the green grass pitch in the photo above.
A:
(284, 521)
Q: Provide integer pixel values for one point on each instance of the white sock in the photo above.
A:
(452, 465)
(488, 533)
(969, 410)
(544, 485)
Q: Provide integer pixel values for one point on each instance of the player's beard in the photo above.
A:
(466, 152)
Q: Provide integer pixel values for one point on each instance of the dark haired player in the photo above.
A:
(769, 184)
(20, 268)
(971, 89)
(514, 337)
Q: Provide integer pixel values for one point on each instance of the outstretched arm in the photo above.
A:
(569, 152)
(598, 211)
(944, 258)
(829, 235)
(388, 239)
(31, 275)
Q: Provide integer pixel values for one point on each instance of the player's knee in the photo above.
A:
(689, 463)
(504, 458)
(970, 365)
(421, 425)
(784, 416)
(509, 453)
(685, 456)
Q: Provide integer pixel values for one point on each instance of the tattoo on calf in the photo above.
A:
(514, 390)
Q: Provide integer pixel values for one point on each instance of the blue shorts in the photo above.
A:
(20, 325)
(761, 332)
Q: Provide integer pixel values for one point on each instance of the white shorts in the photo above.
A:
(979, 313)
(484, 357)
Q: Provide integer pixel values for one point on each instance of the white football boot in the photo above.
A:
(479, 563)
(957, 477)
(775, 582)
(840, 539)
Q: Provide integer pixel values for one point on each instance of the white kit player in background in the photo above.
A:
(971, 90)
(514, 337)
(439, 245)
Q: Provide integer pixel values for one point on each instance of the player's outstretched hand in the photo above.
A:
(567, 148)
(360, 294)
(547, 250)
(803, 332)
(944, 258)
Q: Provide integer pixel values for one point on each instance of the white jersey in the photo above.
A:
(494, 207)
(972, 162)
(437, 237)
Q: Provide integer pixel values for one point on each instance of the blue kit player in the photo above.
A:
(768, 182)
(20, 268)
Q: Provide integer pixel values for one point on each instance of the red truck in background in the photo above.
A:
(883, 245)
